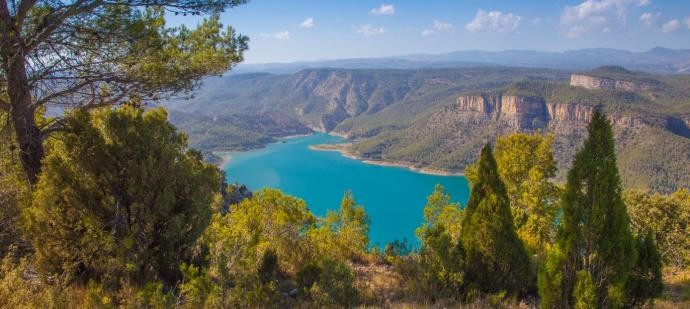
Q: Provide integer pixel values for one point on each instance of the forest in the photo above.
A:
(103, 204)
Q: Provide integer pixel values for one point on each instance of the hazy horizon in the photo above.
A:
(398, 56)
(309, 30)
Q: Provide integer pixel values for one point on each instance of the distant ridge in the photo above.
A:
(656, 60)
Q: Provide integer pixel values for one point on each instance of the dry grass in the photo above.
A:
(676, 290)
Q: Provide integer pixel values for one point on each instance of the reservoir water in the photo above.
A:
(394, 197)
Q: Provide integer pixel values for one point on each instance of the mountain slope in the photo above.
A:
(653, 139)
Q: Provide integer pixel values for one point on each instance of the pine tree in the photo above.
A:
(120, 198)
(495, 258)
(594, 235)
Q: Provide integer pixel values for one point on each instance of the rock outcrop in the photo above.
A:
(522, 112)
(602, 83)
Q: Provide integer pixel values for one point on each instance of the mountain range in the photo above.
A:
(655, 60)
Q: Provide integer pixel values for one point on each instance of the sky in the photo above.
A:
(311, 30)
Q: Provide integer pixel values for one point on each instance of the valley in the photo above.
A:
(439, 118)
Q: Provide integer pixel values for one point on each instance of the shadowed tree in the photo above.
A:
(91, 53)
(594, 236)
(495, 258)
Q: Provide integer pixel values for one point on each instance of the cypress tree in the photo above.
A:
(495, 258)
(594, 235)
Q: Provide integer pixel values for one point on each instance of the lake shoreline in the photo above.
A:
(225, 156)
(344, 150)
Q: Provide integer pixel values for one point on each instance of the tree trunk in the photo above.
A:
(23, 115)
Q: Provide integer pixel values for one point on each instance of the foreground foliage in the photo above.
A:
(595, 250)
(667, 219)
(93, 214)
(526, 166)
(124, 215)
(495, 257)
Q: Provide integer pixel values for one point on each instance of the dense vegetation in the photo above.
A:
(124, 215)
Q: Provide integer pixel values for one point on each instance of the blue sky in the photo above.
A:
(299, 30)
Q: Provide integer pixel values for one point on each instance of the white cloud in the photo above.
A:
(687, 22)
(494, 21)
(428, 32)
(384, 9)
(438, 27)
(369, 30)
(307, 23)
(443, 26)
(670, 26)
(536, 20)
(282, 35)
(597, 15)
(648, 19)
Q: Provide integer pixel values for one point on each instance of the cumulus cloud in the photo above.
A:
(438, 27)
(307, 23)
(670, 26)
(648, 19)
(597, 14)
(369, 30)
(494, 21)
(687, 22)
(384, 9)
(282, 35)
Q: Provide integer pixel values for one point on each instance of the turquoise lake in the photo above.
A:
(394, 197)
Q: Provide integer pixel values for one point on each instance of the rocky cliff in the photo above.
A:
(602, 83)
(451, 137)
(525, 113)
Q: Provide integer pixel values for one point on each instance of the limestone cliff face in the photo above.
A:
(592, 82)
(569, 112)
(521, 112)
(518, 111)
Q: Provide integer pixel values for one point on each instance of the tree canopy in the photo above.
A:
(121, 197)
(93, 53)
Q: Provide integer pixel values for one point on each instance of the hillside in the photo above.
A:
(653, 140)
(235, 131)
(325, 98)
(439, 118)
